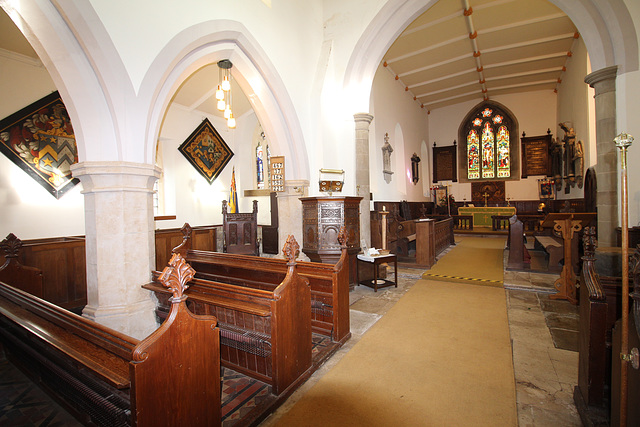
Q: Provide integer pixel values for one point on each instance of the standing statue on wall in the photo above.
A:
(578, 163)
(387, 149)
(569, 152)
(556, 163)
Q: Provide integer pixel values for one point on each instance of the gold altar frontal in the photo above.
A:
(482, 215)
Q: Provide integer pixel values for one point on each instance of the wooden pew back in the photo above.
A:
(329, 282)
(108, 378)
(264, 334)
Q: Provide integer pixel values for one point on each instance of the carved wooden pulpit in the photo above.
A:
(565, 225)
(322, 219)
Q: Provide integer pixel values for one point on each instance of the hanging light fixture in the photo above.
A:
(223, 92)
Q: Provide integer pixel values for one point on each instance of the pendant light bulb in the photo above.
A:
(219, 93)
(231, 123)
(227, 112)
(226, 85)
(221, 105)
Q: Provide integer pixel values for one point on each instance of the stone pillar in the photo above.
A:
(604, 83)
(120, 243)
(290, 213)
(363, 187)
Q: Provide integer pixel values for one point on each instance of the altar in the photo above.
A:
(482, 215)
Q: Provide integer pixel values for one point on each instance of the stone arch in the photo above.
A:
(113, 121)
(609, 42)
(71, 70)
(207, 43)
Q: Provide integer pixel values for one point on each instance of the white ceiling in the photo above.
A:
(523, 46)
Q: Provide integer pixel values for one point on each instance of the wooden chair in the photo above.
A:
(240, 231)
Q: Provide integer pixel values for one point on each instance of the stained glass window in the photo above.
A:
(487, 151)
(488, 143)
(503, 163)
(473, 154)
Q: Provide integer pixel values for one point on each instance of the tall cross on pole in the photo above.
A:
(486, 196)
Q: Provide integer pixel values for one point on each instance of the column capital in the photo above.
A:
(603, 80)
(363, 117)
(115, 176)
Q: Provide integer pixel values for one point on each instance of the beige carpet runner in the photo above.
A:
(440, 357)
(476, 260)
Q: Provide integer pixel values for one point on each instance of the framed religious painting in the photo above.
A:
(206, 151)
(40, 140)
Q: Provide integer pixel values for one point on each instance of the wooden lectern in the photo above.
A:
(566, 224)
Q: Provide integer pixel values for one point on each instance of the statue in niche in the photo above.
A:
(578, 163)
(556, 163)
(387, 149)
(569, 152)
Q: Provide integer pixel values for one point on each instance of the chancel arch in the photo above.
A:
(489, 144)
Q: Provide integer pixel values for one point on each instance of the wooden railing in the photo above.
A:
(460, 222)
(531, 222)
(500, 222)
(444, 235)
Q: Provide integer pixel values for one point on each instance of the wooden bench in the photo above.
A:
(240, 231)
(265, 330)
(554, 247)
(329, 282)
(518, 254)
(107, 378)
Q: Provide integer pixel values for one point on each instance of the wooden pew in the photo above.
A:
(28, 279)
(553, 246)
(329, 282)
(240, 231)
(518, 255)
(264, 333)
(63, 265)
(107, 378)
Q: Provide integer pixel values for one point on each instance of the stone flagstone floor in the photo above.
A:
(544, 343)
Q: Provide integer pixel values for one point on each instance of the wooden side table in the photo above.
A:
(376, 261)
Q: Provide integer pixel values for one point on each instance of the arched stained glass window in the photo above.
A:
(504, 163)
(488, 152)
(473, 154)
(489, 149)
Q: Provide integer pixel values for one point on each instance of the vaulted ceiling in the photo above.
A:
(461, 50)
(458, 50)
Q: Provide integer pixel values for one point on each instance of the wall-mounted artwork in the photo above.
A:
(445, 163)
(40, 140)
(206, 151)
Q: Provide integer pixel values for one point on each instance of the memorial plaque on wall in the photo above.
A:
(276, 177)
(536, 159)
(445, 163)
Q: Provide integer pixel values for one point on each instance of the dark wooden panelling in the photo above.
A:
(202, 238)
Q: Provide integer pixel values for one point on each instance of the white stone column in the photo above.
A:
(120, 243)
(290, 212)
(604, 83)
(363, 187)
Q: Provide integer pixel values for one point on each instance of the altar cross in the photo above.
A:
(486, 196)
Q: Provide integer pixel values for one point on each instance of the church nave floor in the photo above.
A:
(543, 334)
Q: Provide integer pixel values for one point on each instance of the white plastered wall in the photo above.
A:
(535, 113)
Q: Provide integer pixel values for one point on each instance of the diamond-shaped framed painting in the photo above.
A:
(40, 140)
(206, 151)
